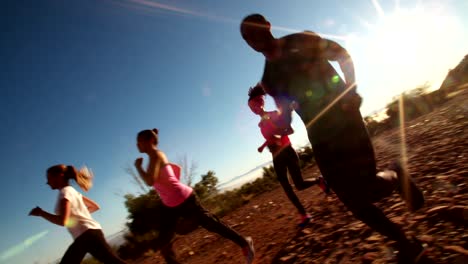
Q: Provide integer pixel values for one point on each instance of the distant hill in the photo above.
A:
(244, 178)
(457, 78)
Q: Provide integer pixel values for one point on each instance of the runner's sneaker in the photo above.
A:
(411, 253)
(305, 219)
(323, 184)
(407, 188)
(249, 251)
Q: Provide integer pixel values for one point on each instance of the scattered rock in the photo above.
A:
(426, 238)
(369, 257)
(437, 156)
(287, 259)
(457, 249)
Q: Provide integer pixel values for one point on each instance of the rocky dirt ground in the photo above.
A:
(437, 149)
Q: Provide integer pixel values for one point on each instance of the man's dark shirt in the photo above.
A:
(304, 75)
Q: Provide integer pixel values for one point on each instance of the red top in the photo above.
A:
(268, 126)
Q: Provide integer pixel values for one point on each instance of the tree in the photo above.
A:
(188, 170)
(269, 173)
(144, 215)
(414, 104)
(136, 178)
(207, 186)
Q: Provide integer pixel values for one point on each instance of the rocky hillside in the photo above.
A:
(437, 150)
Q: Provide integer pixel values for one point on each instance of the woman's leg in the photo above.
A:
(77, 250)
(166, 234)
(168, 254)
(279, 163)
(100, 249)
(292, 162)
(209, 221)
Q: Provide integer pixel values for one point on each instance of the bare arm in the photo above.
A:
(260, 149)
(285, 109)
(334, 52)
(331, 50)
(90, 204)
(156, 160)
(60, 219)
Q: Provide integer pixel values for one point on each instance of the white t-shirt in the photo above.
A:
(80, 219)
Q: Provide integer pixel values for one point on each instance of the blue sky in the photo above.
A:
(79, 79)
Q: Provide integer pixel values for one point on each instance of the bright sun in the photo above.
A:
(404, 37)
(404, 48)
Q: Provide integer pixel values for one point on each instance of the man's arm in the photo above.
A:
(331, 50)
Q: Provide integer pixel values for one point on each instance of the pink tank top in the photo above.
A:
(169, 187)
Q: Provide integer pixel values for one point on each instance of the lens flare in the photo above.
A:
(335, 79)
(71, 222)
(149, 6)
(15, 250)
(404, 157)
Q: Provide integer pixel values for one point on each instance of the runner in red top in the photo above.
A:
(285, 157)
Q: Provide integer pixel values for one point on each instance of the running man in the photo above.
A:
(297, 69)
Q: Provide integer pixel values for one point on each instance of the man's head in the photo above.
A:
(255, 30)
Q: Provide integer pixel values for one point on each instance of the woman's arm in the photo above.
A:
(260, 149)
(90, 204)
(60, 219)
(284, 118)
(156, 160)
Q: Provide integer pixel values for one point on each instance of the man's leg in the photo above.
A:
(355, 182)
(410, 250)
(371, 215)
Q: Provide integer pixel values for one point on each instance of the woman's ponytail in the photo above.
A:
(84, 178)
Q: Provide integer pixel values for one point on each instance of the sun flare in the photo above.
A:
(405, 47)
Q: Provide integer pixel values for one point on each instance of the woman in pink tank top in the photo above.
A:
(178, 199)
